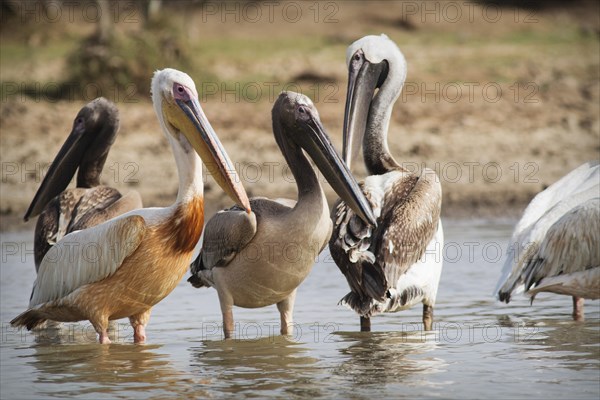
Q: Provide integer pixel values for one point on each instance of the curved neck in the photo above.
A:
(304, 174)
(183, 227)
(90, 169)
(376, 153)
(92, 162)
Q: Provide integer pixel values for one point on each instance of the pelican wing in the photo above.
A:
(228, 232)
(91, 207)
(570, 247)
(77, 209)
(409, 226)
(85, 257)
(225, 235)
(407, 208)
(584, 284)
(543, 210)
(70, 211)
(529, 243)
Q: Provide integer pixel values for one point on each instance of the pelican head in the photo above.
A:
(94, 131)
(296, 118)
(374, 62)
(176, 104)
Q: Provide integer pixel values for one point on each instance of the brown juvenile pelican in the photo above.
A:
(64, 211)
(555, 247)
(258, 259)
(398, 264)
(124, 266)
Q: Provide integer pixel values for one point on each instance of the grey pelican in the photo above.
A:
(398, 264)
(62, 210)
(124, 266)
(555, 246)
(258, 259)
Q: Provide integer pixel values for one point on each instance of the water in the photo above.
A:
(478, 349)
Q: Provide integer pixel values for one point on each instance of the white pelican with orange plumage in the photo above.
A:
(123, 267)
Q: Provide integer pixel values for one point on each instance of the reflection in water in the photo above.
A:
(82, 332)
(271, 366)
(379, 358)
(85, 368)
(570, 344)
(480, 348)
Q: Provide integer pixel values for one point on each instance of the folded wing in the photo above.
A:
(85, 257)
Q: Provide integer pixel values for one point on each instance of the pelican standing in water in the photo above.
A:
(64, 211)
(124, 266)
(398, 264)
(258, 259)
(555, 247)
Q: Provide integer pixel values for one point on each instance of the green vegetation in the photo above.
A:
(127, 58)
(77, 55)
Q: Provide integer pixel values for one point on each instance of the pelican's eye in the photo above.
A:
(79, 124)
(303, 113)
(180, 92)
(357, 59)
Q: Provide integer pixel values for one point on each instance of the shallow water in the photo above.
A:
(478, 349)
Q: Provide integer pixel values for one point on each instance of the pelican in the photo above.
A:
(258, 259)
(124, 266)
(398, 264)
(555, 246)
(62, 210)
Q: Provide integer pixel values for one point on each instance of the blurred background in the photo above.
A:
(501, 99)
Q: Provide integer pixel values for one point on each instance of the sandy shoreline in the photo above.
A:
(141, 160)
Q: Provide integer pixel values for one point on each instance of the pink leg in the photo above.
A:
(139, 334)
(139, 322)
(104, 337)
(226, 302)
(228, 326)
(101, 326)
(578, 308)
(286, 312)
